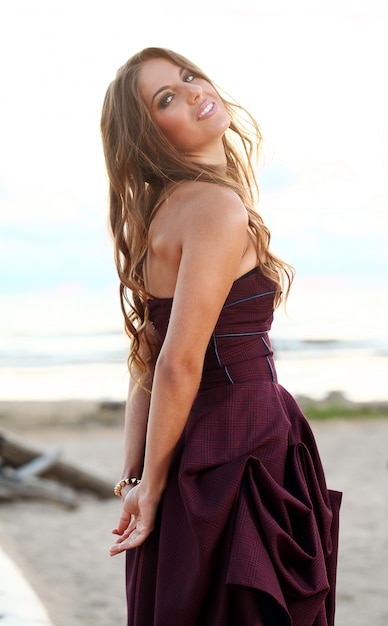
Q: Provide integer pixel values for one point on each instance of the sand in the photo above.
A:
(64, 553)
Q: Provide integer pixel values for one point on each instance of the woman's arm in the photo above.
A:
(213, 238)
(136, 414)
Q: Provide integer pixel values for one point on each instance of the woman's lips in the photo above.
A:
(206, 109)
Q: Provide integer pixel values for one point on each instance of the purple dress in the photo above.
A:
(247, 532)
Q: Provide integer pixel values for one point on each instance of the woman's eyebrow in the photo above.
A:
(158, 91)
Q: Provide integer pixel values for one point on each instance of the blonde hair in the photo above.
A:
(140, 161)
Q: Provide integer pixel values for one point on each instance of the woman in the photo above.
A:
(226, 518)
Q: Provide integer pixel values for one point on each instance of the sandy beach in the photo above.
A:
(64, 553)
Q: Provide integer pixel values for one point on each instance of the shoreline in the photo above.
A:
(30, 414)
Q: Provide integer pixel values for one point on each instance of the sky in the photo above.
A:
(313, 72)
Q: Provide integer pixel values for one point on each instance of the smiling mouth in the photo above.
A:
(209, 107)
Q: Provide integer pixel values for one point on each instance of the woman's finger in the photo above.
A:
(135, 539)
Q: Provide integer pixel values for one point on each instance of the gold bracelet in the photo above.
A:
(122, 483)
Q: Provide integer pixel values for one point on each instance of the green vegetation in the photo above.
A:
(317, 411)
(337, 406)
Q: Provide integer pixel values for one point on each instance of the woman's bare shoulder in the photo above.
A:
(196, 198)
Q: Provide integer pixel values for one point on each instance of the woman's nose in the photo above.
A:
(193, 92)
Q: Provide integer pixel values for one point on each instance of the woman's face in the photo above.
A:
(187, 109)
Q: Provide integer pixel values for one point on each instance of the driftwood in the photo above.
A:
(38, 465)
(13, 487)
(21, 466)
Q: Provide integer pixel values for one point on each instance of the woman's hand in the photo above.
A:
(137, 520)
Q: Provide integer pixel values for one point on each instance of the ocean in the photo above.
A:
(69, 344)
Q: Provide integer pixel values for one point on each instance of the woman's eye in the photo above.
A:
(165, 101)
(189, 77)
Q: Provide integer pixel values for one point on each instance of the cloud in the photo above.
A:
(329, 222)
(48, 240)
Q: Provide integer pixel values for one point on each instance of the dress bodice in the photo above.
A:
(239, 348)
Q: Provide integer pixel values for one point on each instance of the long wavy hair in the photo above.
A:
(141, 162)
